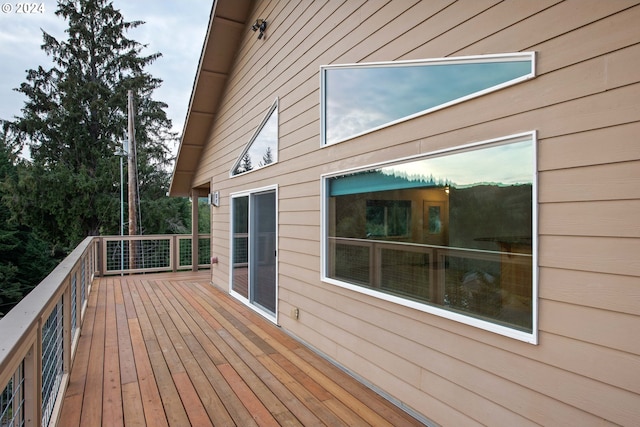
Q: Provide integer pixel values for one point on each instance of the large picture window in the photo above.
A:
(360, 98)
(451, 233)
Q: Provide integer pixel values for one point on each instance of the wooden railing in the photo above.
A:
(146, 254)
(38, 337)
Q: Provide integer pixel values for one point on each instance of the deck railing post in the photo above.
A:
(46, 311)
(174, 250)
(78, 304)
(31, 388)
(36, 392)
(97, 259)
(67, 336)
(194, 229)
(102, 255)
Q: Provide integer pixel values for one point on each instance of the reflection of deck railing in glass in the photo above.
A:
(39, 335)
(490, 285)
(152, 253)
(240, 249)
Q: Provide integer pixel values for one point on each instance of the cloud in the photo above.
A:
(20, 41)
(362, 98)
(174, 28)
(177, 30)
(506, 164)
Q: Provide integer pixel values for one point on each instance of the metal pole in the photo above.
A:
(121, 220)
(121, 152)
(132, 182)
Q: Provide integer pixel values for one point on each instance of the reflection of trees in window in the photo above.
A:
(435, 223)
(267, 158)
(262, 148)
(483, 265)
(388, 218)
(482, 216)
(245, 164)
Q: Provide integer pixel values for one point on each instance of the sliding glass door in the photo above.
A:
(253, 249)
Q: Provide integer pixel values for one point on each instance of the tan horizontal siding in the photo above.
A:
(334, 312)
(611, 292)
(584, 105)
(605, 328)
(587, 148)
(561, 30)
(588, 40)
(596, 254)
(310, 203)
(297, 245)
(300, 231)
(616, 218)
(300, 217)
(614, 181)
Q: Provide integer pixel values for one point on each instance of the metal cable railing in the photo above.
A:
(40, 334)
(153, 253)
(52, 369)
(12, 400)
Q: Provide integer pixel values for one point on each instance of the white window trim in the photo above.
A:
(267, 116)
(238, 296)
(532, 337)
(504, 57)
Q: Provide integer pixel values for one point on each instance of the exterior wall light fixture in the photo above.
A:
(261, 25)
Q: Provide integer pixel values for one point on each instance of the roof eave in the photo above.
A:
(227, 23)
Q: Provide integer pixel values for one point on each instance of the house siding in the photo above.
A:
(584, 105)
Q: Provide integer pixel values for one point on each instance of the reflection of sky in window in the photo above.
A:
(362, 98)
(266, 139)
(506, 164)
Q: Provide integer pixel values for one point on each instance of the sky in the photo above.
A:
(506, 164)
(175, 28)
(358, 102)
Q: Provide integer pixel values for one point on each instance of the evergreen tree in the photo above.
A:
(267, 157)
(24, 258)
(245, 163)
(74, 119)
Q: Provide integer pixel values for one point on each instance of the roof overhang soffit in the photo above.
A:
(227, 24)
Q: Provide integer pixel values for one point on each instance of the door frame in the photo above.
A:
(247, 300)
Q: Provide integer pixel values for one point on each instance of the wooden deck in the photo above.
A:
(172, 350)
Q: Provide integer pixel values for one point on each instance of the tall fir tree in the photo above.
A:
(74, 119)
(25, 259)
(267, 157)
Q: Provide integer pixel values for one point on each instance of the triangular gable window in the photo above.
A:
(360, 98)
(262, 149)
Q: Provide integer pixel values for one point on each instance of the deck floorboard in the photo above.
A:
(172, 350)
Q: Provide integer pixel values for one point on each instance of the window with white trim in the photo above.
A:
(360, 98)
(262, 149)
(452, 233)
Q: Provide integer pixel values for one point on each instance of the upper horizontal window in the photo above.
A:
(262, 149)
(360, 98)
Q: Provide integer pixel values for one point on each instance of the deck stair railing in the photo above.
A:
(38, 337)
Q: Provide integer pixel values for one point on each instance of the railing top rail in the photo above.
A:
(20, 320)
(153, 236)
